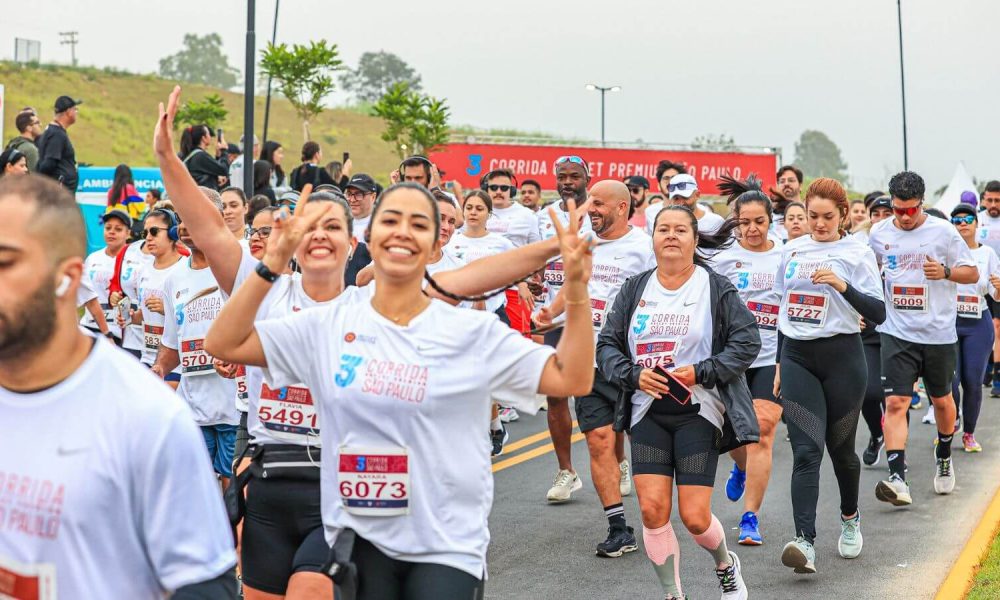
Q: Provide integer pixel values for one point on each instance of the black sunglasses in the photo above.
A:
(493, 187)
(152, 231)
(264, 232)
(635, 190)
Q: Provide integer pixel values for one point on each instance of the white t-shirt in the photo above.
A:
(971, 296)
(516, 223)
(98, 269)
(468, 249)
(84, 293)
(673, 329)
(753, 275)
(989, 231)
(553, 275)
(614, 261)
(406, 400)
(195, 299)
(132, 264)
(149, 284)
(778, 228)
(359, 226)
(810, 311)
(118, 499)
(919, 310)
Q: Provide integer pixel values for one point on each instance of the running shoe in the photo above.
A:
(499, 438)
(995, 392)
(895, 491)
(508, 414)
(970, 444)
(915, 402)
(799, 555)
(850, 542)
(620, 540)
(731, 580)
(944, 476)
(873, 451)
(749, 530)
(736, 484)
(929, 419)
(563, 486)
(625, 479)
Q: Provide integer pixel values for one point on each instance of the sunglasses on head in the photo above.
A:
(906, 212)
(573, 159)
(967, 219)
(682, 186)
(264, 232)
(153, 231)
(494, 187)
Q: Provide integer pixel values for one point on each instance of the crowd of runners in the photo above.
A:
(309, 396)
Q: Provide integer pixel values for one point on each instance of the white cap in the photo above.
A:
(256, 142)
(686, 185)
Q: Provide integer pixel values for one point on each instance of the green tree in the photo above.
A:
(721, 142)
(415, 123)
(818, 156)
(376, 73)
(201, 61)
(303, 75)
(211, 111)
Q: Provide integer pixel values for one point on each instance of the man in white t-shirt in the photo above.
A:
(118, 500)
(922, 258)
(236, 167)
(683, 190)
(989, 235)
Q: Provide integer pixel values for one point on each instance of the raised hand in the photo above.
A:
(290, 229)
(577, 252)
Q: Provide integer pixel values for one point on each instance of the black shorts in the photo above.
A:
(994, 306)
(597, 408)
(904, 362)
(381, 577)
(760, 380)
(685, 447)
(282, 533)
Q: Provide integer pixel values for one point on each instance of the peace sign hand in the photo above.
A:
(289, 230)
(577, 252)
(163, 135)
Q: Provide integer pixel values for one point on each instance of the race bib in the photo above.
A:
(651, 354)
(766, 315)
(554, 273)
(809, 309)
(194, 360)
(374, 482)
(241, 384)
(288, 413)
(27, 582)
(151, 335)
(598, 310)
(909, 298)
(968, 307)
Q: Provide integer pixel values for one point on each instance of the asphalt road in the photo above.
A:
(547, 551)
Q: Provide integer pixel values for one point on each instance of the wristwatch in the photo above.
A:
(267, 274)
(947, 272)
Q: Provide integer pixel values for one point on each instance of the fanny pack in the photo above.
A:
(272, 461)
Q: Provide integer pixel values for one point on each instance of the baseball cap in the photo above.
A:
(291, 197)
(637, 180)
(362, 182)
(255, 141)
(964, 209)
(682, 185)
(880, 202)
(233, 149)
(64, 103)
(969, 198)
(121, 215)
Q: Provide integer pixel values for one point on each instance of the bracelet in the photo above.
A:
(267, 274)
(576, 302)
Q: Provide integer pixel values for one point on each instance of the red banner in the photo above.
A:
(468, 162)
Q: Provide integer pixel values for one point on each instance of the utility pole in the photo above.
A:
(248, 102)
(274, 40)
(70, 39)
(592, 87)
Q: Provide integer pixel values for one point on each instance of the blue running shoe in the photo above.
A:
(915, 402)
(737, 484)
(995, 392)
(749, 532)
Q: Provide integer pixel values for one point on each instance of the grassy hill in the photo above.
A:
(119, 112)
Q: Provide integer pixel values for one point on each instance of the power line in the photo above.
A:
(70, 39)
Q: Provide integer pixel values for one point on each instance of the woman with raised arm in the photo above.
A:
(408, 483)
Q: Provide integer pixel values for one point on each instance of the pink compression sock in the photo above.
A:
(665, 553)
(714, 540)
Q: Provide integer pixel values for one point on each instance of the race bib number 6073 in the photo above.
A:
(374, 482)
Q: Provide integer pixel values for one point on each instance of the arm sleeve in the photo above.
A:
(869, 307)
(742, 342)
(285, 342)
(613, 357)
(516, 366)
(864, 290)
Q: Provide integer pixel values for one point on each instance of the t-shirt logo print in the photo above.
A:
(348, 365)
(640, 325)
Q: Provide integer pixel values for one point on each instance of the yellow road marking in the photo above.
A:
(531, 439)
(963, 572)
(530, 454)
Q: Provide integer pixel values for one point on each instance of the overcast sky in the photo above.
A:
(760, 71)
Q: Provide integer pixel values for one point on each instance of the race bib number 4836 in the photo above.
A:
(374, 482)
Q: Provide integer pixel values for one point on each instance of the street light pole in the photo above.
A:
(267, 105)
(614, 88)
(902, 82)
(248, 103)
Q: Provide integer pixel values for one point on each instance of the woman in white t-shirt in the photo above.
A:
(750, 265)
(677, 342)
(408, 484)
(796, 224)
(475, 242)
(99, 268)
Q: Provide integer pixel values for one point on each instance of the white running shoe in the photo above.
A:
(731, 580)
(563, 486)
(625, 481)
(929, 419)
(894, 490)
(944, 476)
(507, 414)
(850, 542)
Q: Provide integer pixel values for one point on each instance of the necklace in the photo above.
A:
(396, 320)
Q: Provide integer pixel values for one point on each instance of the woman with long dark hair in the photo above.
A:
(310, 171)
(262, 172)
(274, 153)
(123, 195)
(207, 171)
(677, 342)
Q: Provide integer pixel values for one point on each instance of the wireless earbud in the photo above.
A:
(63, 286)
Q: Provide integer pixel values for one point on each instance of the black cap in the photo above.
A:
(64, 103)
(233, 149)
(880, 202)
(637, 180)
(121, 215)
(363, 182)
(964, 209)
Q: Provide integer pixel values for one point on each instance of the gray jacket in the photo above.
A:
(735, 344)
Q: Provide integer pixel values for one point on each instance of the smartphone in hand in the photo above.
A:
(347, 156)
(676, 390)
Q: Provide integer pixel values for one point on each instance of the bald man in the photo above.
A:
(121, 502)
(621, 252)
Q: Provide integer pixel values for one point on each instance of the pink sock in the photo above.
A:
(714, 540)
(662, 548)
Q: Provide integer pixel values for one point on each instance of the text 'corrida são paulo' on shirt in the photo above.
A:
(404, 462)
(753, 275)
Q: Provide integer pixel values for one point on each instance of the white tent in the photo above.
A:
(960, 182)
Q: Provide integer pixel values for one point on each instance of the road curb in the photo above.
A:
(956, 585)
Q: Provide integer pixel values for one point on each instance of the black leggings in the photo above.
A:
(383, 578)
(874, 403)
(823, 386)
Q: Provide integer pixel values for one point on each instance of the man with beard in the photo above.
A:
(531, 195)
(665, 171)
(789, 190)
(119, 503)
(638, 187)
(620, 252)
(683, 191)
(989, 235)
